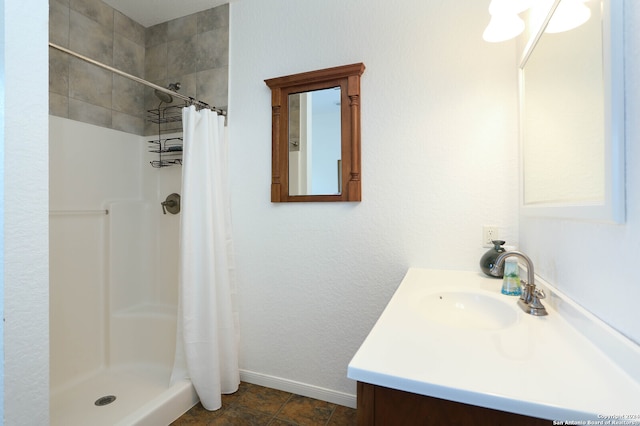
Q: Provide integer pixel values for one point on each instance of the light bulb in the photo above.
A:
(503, 27)
(568, 15)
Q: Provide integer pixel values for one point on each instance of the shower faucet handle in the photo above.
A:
(166, 204)
(171, 204)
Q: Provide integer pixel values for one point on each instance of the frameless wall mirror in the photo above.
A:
(316, 135)
(572, 115)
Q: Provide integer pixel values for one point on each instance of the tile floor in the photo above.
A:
(254, 405)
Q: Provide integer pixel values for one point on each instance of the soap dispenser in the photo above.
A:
(489, 258)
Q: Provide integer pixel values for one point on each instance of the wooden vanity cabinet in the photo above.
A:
(382, 406)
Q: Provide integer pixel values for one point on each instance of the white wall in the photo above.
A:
(593, 263)
(24, 104)
(439, 160)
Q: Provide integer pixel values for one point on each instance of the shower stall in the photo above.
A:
(113, 250)
(114, 270)
(114, 273)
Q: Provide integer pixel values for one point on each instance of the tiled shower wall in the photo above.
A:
(193, 50)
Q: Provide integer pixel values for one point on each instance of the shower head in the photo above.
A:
(166, 97)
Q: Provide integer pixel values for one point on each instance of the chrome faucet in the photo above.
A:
(530, 297)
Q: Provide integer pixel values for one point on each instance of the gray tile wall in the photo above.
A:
(193, 50)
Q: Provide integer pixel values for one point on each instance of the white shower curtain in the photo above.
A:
(207, 340)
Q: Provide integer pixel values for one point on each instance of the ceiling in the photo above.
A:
(152, 12)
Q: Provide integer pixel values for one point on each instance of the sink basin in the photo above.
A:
(468, 310)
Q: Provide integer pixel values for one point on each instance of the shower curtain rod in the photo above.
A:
(188, 99)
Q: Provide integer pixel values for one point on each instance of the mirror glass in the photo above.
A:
(315, 157)
(563, 128)
(571, 120)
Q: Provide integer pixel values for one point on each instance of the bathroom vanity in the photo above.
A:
(449, 348)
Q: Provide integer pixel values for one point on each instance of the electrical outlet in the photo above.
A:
(489, 233)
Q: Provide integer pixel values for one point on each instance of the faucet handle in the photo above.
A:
(535, 307)
(171, 204)
(527, 291)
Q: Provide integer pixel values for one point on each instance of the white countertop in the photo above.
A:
(538, 366)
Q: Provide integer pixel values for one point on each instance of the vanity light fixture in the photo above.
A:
(506, 23)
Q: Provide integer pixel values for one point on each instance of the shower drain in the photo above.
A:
(105, 400)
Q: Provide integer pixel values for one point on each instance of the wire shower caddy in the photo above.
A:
(169, 150)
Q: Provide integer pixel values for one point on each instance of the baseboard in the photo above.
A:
(298, 388)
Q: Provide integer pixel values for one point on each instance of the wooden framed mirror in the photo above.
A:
(315, 152)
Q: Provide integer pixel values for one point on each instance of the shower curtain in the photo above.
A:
(207, 340)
